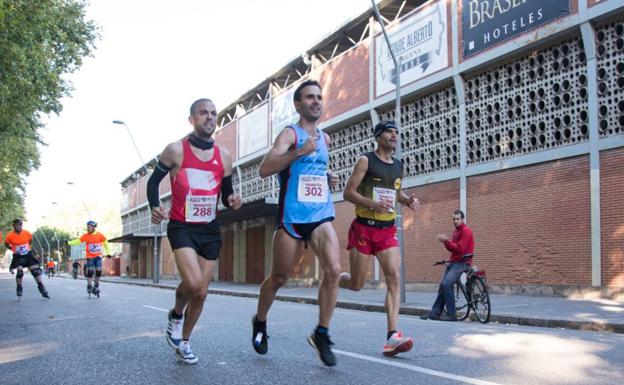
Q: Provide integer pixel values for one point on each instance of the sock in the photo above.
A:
(390, 333)
(261, 324)
(321, 329)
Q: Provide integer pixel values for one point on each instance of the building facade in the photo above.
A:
(512, 111)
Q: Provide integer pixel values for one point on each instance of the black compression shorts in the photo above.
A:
(204, 238)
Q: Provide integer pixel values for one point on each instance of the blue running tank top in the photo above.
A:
(304, 195)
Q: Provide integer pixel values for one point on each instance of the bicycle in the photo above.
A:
(471, 292)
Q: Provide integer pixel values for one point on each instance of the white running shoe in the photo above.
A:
(185, 354)
(397, 344)
(345, 276)
(174, 330)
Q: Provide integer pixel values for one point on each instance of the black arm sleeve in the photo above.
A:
(226, 190)
(153, 182)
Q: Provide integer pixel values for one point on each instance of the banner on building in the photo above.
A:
(488, 22)
(420, 43)
(253, 131)
(283, 111)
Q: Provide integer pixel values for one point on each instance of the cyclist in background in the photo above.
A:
(461, 246)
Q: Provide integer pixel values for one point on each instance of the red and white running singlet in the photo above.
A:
(195, 188)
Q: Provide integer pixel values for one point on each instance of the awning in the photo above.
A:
(126, 238)
(258, 209)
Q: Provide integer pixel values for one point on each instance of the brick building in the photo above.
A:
(514, 114)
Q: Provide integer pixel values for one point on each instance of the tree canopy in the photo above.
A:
(40, 42)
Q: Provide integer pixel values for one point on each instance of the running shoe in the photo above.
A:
(20, 290)
(89, 289)
(321, 343)
(259, 336)
(397, 344)
(174, 330)
(185, 354)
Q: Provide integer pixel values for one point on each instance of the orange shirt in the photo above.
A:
(20, 243)
(51, 264)
(93, 243)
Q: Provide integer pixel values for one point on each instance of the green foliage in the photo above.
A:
(51, 234)
(40, 42)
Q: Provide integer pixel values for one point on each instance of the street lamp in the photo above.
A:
(156, 264)
(40, 247)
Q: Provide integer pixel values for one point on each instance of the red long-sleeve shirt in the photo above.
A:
(462, 243)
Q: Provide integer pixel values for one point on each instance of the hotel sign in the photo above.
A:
(488, 22)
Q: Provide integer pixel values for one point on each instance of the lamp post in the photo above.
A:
(397, 152)
(40, 248)
(156, 263)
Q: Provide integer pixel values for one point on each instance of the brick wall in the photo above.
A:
(612, 216)
(532, 224)
(345, 82)
(421, 227)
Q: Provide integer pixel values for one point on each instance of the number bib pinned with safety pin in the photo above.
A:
(312, 188)
(201, 208)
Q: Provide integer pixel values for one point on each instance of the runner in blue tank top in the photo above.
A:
(300, 156)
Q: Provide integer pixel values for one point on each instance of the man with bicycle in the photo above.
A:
(461, 246)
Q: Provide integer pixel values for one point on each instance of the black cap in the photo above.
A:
(383, 126)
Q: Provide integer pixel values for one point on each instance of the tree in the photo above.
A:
(40, 42)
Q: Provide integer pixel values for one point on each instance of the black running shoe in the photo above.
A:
(20, 290)
(259, 337)
(321, 343)
(43, 291)
(89, 289)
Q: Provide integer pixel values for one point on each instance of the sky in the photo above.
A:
(154, 58)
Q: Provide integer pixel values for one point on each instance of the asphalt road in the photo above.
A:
(119, 339)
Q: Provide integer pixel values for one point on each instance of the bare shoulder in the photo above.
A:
(172, 154)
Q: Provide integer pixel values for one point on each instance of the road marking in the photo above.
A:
(156, 308)
(418, 369)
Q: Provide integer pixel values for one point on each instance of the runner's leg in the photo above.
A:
(286, 250)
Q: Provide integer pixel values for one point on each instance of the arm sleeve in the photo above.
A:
(74, 242)
(459, 247)
(154, 181)
(226, 190)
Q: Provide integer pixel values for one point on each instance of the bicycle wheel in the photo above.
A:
(461, 302)
(480, 300)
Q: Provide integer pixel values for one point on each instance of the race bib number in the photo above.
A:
(312, 188)
(201, 208)
(384, 195)
(95, 248)
(22, 249)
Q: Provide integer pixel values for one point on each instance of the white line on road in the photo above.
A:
(419, 369)
(156, 308)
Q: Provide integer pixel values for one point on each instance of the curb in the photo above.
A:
(412, 311)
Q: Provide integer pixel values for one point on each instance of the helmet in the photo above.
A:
(92, 223)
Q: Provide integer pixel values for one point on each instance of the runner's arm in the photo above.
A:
(351, 193)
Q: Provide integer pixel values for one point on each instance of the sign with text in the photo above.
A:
(419, 42)
(253, 131)
(283, 111)
(488, 22)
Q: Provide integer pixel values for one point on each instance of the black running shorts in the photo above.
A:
(204, 238)
(26, 260)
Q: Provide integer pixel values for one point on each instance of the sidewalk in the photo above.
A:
(557, 312)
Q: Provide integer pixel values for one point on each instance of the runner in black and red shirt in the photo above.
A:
(199, 171)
